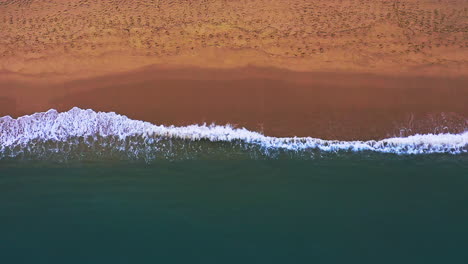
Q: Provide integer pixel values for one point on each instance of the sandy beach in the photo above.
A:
(328, 69)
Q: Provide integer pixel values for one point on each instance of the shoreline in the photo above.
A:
(276, 102)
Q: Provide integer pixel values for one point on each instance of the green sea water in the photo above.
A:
(356, 209)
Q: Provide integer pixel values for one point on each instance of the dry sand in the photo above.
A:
(331, 69)
(83, 37)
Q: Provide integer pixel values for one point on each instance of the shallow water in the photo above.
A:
(343, 210)
(88, 135)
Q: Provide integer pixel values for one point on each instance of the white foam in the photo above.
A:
(77, 122)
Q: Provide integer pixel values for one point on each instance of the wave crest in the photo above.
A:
(108, 131)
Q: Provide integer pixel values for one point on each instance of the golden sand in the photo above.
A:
(82, 38)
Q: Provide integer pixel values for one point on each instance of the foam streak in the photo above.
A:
(60, 127)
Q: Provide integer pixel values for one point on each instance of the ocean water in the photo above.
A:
(89, 187)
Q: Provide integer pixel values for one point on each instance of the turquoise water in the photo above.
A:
(92, 187)
(351, 208)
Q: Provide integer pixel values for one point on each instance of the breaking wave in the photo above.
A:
(86, 134)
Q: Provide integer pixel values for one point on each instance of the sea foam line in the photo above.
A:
(55, 126)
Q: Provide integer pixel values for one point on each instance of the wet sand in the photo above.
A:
(275, 102)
